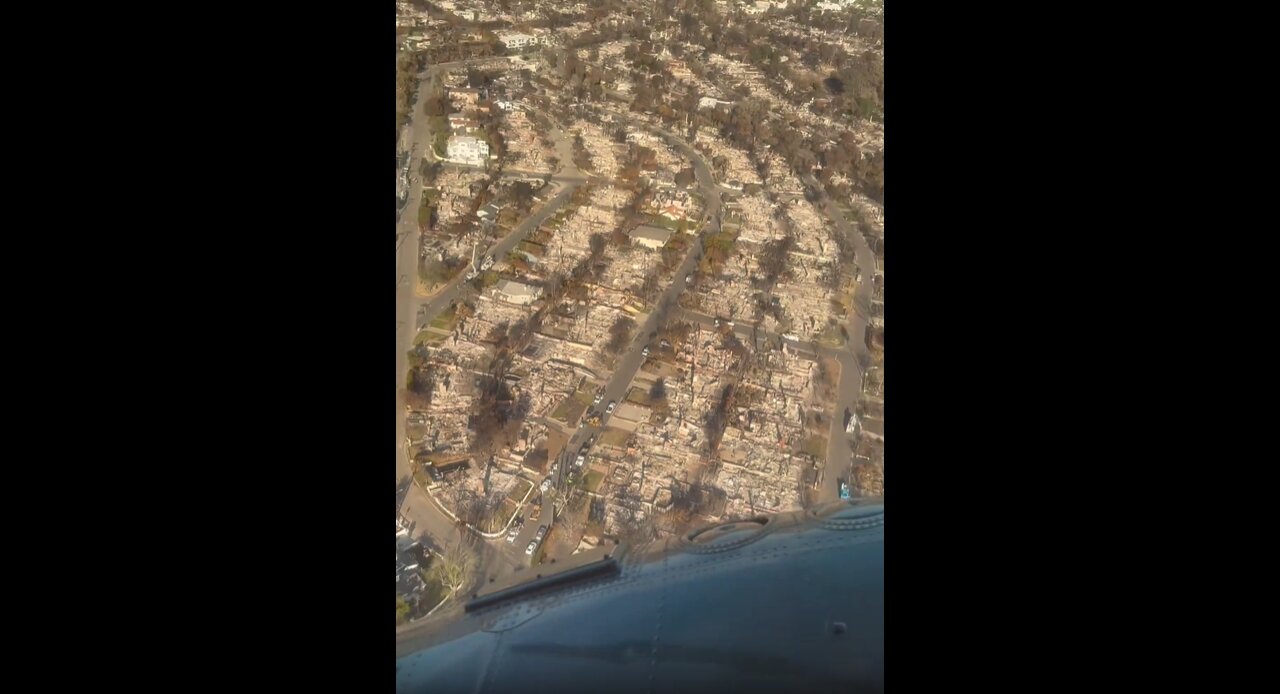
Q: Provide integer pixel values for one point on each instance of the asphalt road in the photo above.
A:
(839, 448)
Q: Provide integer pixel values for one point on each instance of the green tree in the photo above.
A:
(402, 610)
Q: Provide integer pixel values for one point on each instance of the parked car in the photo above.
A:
(644, 352)
(532, 546)
(844, 489)
(511, 534)
(581, 459)
(688, 279)
(609, 409)
(537, 511)
(546, 484)
(542, 533)
(599, 397)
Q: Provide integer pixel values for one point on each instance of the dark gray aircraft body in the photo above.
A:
(786, 603)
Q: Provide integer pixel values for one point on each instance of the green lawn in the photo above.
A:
(402, 610)
(426, 337)
(593, 480)
(446, 319)
(614, 437)
(660, 221)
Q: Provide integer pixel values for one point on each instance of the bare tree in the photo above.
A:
(453, 567)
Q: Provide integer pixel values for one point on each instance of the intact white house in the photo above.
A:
(466, 149)
(515, 40)
(650, 236)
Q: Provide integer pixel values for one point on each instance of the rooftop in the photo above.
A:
(646, 231)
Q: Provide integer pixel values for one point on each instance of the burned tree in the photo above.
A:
(620, 334)
(717, 419)
(658, 391)
(773, 261)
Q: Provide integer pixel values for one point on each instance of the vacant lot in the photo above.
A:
(572, 408)
(614, 437)
(640, 396)
(518, 490)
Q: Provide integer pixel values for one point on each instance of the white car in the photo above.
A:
(581, 459)
(599, 397)
(609, 409)
(532, 546)
(511, 536)
(688, 279)
(546, 484)
(644, 352)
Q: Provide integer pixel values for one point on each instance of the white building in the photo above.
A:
(516, 40)
(466, 149)
(516, 293)
(650, 236)
(836, 6)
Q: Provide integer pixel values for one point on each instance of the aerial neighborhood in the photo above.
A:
(640, 264)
